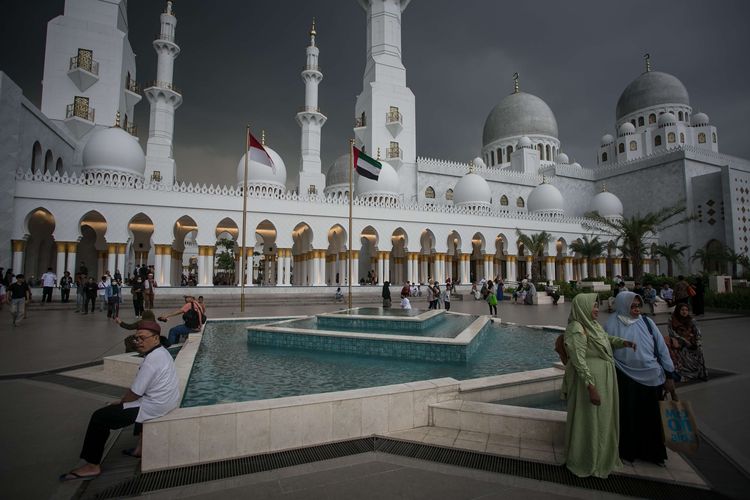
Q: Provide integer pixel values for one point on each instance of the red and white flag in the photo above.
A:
(258, 153)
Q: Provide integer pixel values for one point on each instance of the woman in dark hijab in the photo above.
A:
(386, 294)
(685, 345)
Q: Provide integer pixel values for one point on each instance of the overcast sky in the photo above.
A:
(240, 63)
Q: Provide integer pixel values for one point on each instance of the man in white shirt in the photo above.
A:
(154, 393)
(667, 294)
(49, 280)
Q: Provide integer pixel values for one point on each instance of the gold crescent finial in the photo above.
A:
(117, 119)
(516, 87)
(471, 166)
(312, 28)
(604, 187)
(647, 57)
(263, 137)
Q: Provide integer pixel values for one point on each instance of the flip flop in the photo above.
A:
(130, 452)
(72, 476)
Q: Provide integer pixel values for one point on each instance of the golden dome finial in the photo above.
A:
(516, 87)
(544, 179)
(647, 58)
(117, 119)
(312, 29)
(263, 137)
(604, 187)
(471, 166)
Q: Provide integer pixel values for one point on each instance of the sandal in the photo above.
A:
(130, 452)
(73, 476)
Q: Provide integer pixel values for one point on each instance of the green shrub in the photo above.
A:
(739, 299)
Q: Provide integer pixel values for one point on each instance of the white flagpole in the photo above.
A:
(243, 257)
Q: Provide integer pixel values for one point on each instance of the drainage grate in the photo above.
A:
(182, 476)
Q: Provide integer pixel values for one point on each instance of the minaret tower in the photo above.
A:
(311, 120)
(164, 98)
(385, 115)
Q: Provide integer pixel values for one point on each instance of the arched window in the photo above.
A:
(657, 140)
(682, 138)
(36, 157)
(651, 118)
(540, 148)
(548, 150)
(680, 116)
(604, 157)
(508, 152)
(671, 138)
(633, 122)
(633, 146)
(520, 203)
(499, 155)
(640, 121)
(713, 137)
(701, 138)
(492, 158)
(621, 148)
(59, 166)
(429, 192)
(504, 200)
(48, 161)
(449, 195)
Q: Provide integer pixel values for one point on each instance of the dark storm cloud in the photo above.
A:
(240, 63)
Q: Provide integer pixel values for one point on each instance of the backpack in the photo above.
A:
(191, 318)
(560, 347)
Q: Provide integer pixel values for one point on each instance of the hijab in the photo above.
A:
(581, 312)
(386, 290)
(683, 326)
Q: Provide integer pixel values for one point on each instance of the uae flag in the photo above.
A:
(258, 153)
(366, 166)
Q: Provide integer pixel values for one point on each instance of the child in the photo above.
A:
(405, 304)
(447, 296)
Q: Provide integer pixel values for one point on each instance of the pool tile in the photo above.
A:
(155, 445)
(286, 427)
(218, 437)
(184, 446)
(253, 432)
(347, 418)
(375, 415)
(320, 421)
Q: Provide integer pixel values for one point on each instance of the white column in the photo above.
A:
(602, 267)
(630, 269)
(355, 268)
(584, 268)
(646, 266)
(166, 265)
(568, 269)
(321, 261)
(511, 267)
(379, 267)
(551, 274)
(386, 267)
(70, 265)
(121, 259)
(60, 269)
(158, 271)
(424, 268)
(111, 258)
(287, 267)
(617, 266)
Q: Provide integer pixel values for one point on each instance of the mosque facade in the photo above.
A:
(82, 190)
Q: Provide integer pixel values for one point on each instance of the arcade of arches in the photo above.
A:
(396, 257)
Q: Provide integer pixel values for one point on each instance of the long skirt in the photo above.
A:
(641, 436)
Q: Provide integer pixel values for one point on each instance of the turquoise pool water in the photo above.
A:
(228, 369)
(379, 311)
(447, 327)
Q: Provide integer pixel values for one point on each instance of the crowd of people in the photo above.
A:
(615, 377)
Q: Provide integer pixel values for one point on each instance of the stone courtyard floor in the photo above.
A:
(44, 420)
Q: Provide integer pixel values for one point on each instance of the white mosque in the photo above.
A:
(78, 186)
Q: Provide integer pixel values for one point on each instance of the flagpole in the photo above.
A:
(351, 167)
(243, 257)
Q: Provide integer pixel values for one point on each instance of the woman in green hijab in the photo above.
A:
(590, 386)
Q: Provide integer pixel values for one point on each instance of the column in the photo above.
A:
(510, 268)
(321, 268)
(343, 266)
(386, 258)
(630, 268)
(379, 267)
(111, 258)
(166, 265)
(550, 261)
(287, 281)
(617, 266)
(19, 247)
(158, 271)
(101, 264)
(568, 269)
(60, 269)
(70, 266)
(646, 266)
(410, 266)
(121, 248)
(424, 268)
(601, 263)
(584, 268)
(210, 251)
(355, 267)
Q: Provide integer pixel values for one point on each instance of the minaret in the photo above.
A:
(385, 115)
(164, 98)
(311, 120)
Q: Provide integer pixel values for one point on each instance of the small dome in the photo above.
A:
(606, 204)
(699, 120)
(116, 150)
(562, 159)
(519, 114)
(524, 142)
(479, 163)
(471, 190)
(626, 128)
(338, 172)
(258, 173)
(607, 139)
(545, 199)
(575, 164)
(387, 184)
(666, 119)
(652, 88)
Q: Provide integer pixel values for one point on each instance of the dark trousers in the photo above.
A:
(113, 307)
(640, 421)
(65, 294)
(47, 294)
(149, 300)
(138, 304)
(102, 421)
(86, 303)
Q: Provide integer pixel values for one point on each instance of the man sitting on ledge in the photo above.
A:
(154, 393)
(192, 319)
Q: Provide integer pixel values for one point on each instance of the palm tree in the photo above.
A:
(672, 252)
(588, 248)
(535, 244)
(632, 231)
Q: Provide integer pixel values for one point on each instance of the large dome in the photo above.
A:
(545, 199)
(651, 88)
(606, 204)
(115, 150)
(519, 114)
(338, 172)
(386, 185)
(258, 173)
(472, 190)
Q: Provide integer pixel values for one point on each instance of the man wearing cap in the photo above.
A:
(154, 393)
